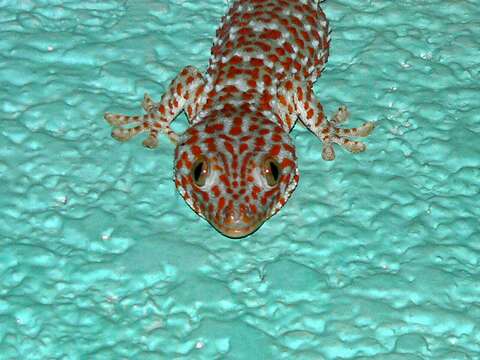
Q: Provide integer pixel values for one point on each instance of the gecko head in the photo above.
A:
(236, 171)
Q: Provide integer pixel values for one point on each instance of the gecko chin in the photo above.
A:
(237, 225)
(239, 230)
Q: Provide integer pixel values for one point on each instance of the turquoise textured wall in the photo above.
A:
(376, 256)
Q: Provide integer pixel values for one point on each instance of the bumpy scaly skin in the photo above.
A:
(265, 59)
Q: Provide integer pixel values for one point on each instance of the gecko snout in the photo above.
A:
(237, 222)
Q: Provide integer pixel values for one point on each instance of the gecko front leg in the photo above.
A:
(293, 98)
(185, 93)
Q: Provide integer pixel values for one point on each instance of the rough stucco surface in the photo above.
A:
(376, 256)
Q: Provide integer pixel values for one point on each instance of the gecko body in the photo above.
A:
(236, 165)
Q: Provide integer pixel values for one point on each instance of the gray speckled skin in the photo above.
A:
(100, 258)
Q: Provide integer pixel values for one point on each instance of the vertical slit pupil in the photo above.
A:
(274, 170)
(197, 172)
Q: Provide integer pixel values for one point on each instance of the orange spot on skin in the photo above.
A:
(204, 196)
(289, 148)
(286, 179)
(192, 140)
(236, 130)
(179, 89)
(226, 137)
(292, 31)
(311, 20)
(275, 150)
(229, 147)
(264, 200)
(300, 93)
(247, 96)
(242, 40)
(185, 181)
(287, 63)
(260, 142)
(280, 51)
(267, 80)
(216, 191)
(237, 121)
(300, 43)
(265, 100)
(230, 89)
(223, 178)
(287, 163)
(265, 47)
(199, 90)
(271, 35)
(284, 22)
(186, 161)
(211, 145)
(236, 59)
(243, 147)
(210, 129)
(288, 47)
(245, 31)
(256, 62)
(233, 72)
(196, 150)
(296, 21)
(274, 58)
(297, 65)
(221, 204)
(209, 103)
(276, 138)
(227, 108)
(305, 35)
(310, 113)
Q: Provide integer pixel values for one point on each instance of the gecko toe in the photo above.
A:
(328, 153)
(150, 142)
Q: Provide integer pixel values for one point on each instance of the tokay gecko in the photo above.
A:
(235, 165)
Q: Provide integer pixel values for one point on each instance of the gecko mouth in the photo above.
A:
(238, 231)
(238, 226)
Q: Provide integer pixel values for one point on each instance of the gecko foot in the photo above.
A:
(145, 123)
(332, 134)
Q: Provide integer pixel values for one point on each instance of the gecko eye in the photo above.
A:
(199, 172)
(271, 171)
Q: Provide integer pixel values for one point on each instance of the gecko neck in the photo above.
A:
(227, 100)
